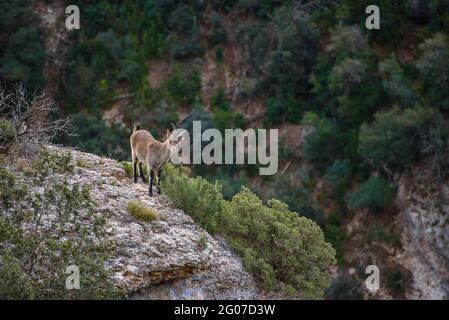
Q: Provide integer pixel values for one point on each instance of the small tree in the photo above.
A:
(25, 120)
(434, 68)
(397, 86)
(397, 138)
(374, 194)
(280, 248)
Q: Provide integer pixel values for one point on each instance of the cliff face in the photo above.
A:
(424, 207)
(168, 258)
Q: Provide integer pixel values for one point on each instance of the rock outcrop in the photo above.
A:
(168, 258)
(424, 203)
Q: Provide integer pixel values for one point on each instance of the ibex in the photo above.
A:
(154, 154)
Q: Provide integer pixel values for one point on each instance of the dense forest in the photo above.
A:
(356, 108)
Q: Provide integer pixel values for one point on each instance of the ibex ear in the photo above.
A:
(167, 134)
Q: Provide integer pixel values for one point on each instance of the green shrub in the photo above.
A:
(334, 233)
(327, 142)
(7, 133)
(202, 242)
(48, 164)
(183, 86)
(397, 138)
(374, 194)
(338, 177)
(141, 211)
(398, 87)
(283, 51)
(128, 167)
(393, 18)
(197, 197)
(184, 46)
(229, 187)
(14, 282)
(44, 230)
(280, 248)
(284, 107)
(345, 81)
(222, 114)
(94, 136)
(219, 33)
(434, 68)
(297, 197)
(22, 47)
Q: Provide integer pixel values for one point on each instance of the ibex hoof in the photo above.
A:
(158, 191)
(144, 180)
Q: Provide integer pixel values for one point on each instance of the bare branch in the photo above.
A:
(25, 119)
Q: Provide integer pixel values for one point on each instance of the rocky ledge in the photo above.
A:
(168, 258)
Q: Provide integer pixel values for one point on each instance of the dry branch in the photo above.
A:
(25, 119)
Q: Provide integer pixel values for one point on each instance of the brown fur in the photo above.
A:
(154, 154)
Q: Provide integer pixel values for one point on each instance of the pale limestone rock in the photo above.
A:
(424, 207)
(161, 259)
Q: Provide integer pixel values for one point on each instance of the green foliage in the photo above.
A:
(297, 197)
(393, 18)
(327, 142)
(183, 86)
(202, 242)
(345, 83)
(128, 167)
(44, 230)
(278, 247)
(7, 133)
(96, 65)
(184, 38)
(219, 33)
(24, 57)
(338, 177)
(283, 107)
(434, 68)
(48, 164)
(395, 83)
(281, 249)
(336, 236)
(222, 114)
(397, 138)
(229, 187)
(22, 49)
(197, 197)
(374, 194)
(14, 282)
(94, 136)
(141, 211)
(283, 51)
